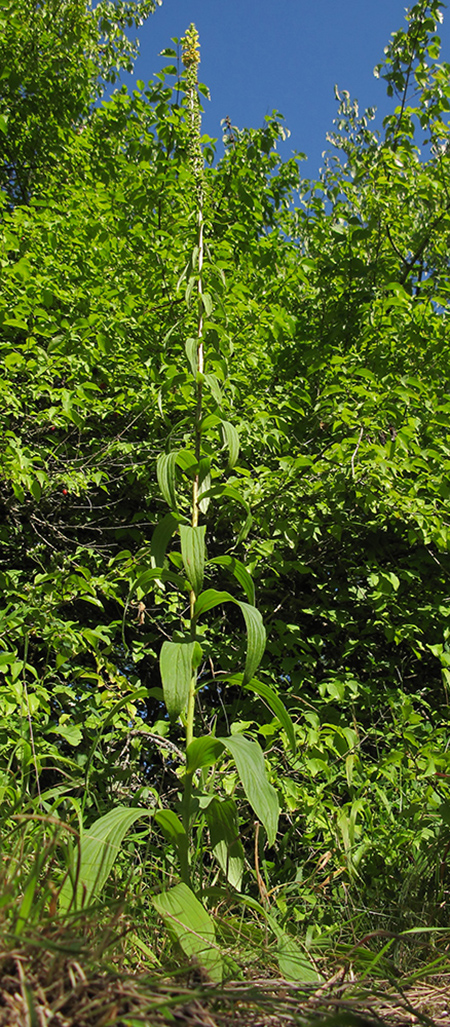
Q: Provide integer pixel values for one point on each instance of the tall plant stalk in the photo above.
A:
(181, 657)
(191, 60)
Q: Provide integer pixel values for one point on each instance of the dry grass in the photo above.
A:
(43, 984)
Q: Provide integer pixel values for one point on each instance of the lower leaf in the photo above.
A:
(193, 928)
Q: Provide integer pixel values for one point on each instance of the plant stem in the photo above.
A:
(191, 59)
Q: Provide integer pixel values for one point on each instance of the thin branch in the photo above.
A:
(356, 450)
(159, 740)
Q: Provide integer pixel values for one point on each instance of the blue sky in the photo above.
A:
(287, 55)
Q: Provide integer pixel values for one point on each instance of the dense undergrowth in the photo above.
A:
(225, 474)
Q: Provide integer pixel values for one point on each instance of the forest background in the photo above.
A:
(214, 369)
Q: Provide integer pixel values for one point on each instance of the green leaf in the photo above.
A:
(99, 847)
(191, 347)
(35, 490)
(189, 289)
(202, 752)
(24, 916)
(256, 639)
(193, 553)
(71, 732)
(204, 483)
(256, 634)
(170, 824)
(240, 572)
(207, 600)
(161, 537)
(207, 303)
(245, 529)
(293, 962)
(166, 474)
(273, 700)
(214, 388)
(231, 439)
(227, 492)
(192, 926)
(153, 576)
(175, 833)
(188, 462)
(223, 823)
(176, 665)
(250, 765)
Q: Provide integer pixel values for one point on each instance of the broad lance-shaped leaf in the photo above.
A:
(251, 768)
(174, 831)
(99, 847)
(293, 962)
(256, 639)
(256, 633)
(214, 387)
(187, 919)
(273, 700)
(191, 347)
(231, 439)
(165, 472)
(202, 752)
(223, 823)
(176, 661)
(187, 460)
(207, 303)
(193, 553)
(228, 492)
(170, 824)
(162, 536)
(245, 529)
(204, 487)
(240, 572)
(155, 574)
(204, 482)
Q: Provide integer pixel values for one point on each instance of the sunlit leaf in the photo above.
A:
(175, 833)
(256, 635)
(232, 441)
(161, 537)
(192, 926)
(202, 752)
(274, 702)
(223, 823)
(240, 572)
(294, 963)
(176, 666)
(193, 553)
(166, 474)
(99, 848)
(251, 768)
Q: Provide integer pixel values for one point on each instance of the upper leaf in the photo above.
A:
(193, 553)
(176, 664)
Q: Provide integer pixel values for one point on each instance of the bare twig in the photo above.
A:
(159, 740)
(356, 450)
